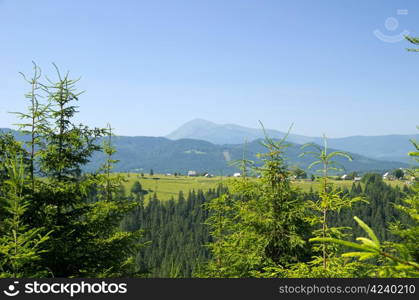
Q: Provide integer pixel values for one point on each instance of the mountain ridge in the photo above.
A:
(169, 156)
(140, 154)
(385, 147)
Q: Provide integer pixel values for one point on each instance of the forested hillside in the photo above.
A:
(178, 236)
(166, 156)
(176, 233)
(140, 154)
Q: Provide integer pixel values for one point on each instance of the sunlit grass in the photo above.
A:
(167, 187)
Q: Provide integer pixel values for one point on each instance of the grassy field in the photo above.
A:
(169, 186)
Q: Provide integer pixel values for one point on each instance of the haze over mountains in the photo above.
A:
(141, 154)
(163, 155)
(386, 147)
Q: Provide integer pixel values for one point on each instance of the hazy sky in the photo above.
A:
(150, 66)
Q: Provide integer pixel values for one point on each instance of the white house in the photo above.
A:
(191, 173)
(344, 177)
(236, 175)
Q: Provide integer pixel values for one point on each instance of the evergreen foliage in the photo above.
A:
(20, 246)
(330, 199)
(175, 231)
(260, 225)
(66, 221)
(393, 259)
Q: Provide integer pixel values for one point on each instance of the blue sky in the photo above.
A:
(150, 66)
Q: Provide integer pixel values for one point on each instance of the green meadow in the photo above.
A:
(167, 187)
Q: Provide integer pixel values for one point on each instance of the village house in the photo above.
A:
(192, 173)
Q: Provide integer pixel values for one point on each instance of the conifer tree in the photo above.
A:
(85, 238)
(114, 248)
(60, 204)
(330, 198)
(259, 226)
(137, 188)
(20, 245)
(112, 182)
(395, 259)
(35, 120)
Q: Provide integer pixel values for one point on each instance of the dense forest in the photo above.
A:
(176, 232)
(58, 221)
(178, 238)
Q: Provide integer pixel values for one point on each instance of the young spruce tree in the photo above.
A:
(259, 226)
(330, 201)
(21, 246)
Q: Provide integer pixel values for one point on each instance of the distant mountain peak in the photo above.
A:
(226, 133)
(387, 147)
(199, 121)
